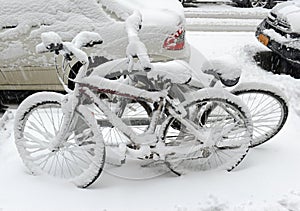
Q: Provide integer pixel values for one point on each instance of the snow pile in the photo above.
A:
(212, 204)
(291, 201)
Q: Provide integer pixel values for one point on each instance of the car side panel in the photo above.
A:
(29, 78)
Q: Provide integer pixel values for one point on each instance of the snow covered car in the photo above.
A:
(280, 31)
(22, 22)
(256, 3)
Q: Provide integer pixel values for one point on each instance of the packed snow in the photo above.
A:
(208, 17)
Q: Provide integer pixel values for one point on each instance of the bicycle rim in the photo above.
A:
(79, 159)
(269, 113)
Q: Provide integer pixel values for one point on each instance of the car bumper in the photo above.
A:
(286, 49)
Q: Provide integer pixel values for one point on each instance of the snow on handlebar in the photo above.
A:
(41, 48)
(52, 42)
(87, 39)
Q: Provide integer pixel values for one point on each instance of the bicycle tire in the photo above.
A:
(80, 159)
(217, 155)
(260, 99)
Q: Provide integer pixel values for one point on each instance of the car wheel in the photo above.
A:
(260, 3)
(182, 1)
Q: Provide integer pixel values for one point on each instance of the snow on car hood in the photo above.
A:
(154, 12)
(290, 13)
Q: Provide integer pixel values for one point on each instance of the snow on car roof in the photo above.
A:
(154, 11)
(68, 17)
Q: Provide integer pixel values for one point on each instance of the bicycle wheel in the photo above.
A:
(135, 114)
(79, 159)
(226, 131)
(268, 108)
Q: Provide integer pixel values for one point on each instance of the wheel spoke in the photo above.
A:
(73, 157)
(268, 111)
(226, 144)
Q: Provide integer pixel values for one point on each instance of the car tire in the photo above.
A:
(261, 3)
(251, 3)
(182, 1)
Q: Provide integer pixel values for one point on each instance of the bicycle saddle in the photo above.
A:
(176, 71)
(223, 68)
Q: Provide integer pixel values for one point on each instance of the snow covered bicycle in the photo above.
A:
(66, 136)
(267, 104)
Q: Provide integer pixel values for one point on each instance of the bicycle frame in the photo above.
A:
(90, 86)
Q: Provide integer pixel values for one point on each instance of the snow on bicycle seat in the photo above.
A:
(176, 71)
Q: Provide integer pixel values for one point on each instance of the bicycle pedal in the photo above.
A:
(123, 161)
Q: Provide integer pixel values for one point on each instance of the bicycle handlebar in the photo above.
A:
(52, 42)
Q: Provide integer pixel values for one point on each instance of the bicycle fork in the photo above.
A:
(68, 105)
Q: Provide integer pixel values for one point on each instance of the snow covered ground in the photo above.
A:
(268, 179)
(211, 17)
